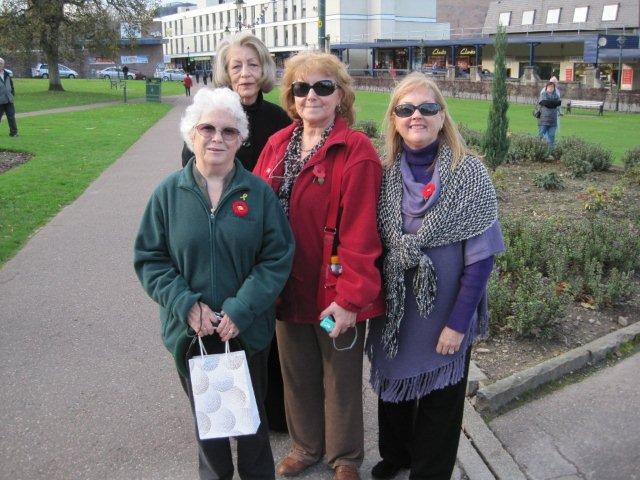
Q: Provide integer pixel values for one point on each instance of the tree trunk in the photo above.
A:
(50, 14)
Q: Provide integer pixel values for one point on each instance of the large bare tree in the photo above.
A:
(64, 27)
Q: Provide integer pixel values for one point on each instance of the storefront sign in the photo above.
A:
(627, 78)
(467, 51)
(129, 59)
(438, 51)
(568, 74)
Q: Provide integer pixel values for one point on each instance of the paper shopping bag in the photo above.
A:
(223, 395)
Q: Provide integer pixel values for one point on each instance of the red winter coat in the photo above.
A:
(187, 82)
(358, 288)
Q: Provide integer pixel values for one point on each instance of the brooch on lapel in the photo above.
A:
(319, 173)
(428, 190)
(240, 207)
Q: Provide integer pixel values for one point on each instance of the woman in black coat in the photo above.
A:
(245, 65)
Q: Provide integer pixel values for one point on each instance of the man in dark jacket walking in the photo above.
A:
(7, 93)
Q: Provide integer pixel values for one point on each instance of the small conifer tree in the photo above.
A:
(495, 142)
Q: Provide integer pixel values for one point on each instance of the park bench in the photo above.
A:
(115, 82)
(587, 104)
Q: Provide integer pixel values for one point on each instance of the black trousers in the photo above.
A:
(423, 434)
(10, 110)
(255, 459)
(274, 402)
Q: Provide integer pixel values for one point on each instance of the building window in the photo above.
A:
(528, 17)
(553, 15)
(182, 45)
(194, 25)
(285, 15)
(294, 12)
(221, 21)
(286, 35)
(275, 36)
(295, 34)
(303, 33)
(303, 8)
(262, 34)
(505, 19)
(200, 22)
(580, 14)
(610, 13)
(208, 43)
(181, 27)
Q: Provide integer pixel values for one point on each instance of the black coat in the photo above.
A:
(265, 119)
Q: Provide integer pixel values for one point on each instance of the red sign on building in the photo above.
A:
(568, 74)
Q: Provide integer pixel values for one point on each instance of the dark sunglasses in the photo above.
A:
(427, 109)
(228, 134)
(323, 88)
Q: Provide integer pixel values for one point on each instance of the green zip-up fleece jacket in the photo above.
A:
(236, 258)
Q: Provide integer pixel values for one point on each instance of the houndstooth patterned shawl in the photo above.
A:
(467, 207)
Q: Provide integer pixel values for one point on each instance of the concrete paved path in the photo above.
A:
(589, 430)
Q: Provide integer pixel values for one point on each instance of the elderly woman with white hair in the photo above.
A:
(214, 238)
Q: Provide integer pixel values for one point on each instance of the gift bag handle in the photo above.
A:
(203, 352)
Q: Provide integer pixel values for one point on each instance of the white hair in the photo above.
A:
(212, 100)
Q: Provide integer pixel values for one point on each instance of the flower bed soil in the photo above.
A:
(8, 160)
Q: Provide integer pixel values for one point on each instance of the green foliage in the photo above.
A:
(527, 148)
(472, 138)
(597, 199)
(495, 142)
(631, 158)
(582, 157)
(549, 181)
(548, 263)
(369, 127)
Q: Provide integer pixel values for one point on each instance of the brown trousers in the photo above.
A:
(322, 393)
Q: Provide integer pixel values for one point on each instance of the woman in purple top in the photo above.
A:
(438, 222)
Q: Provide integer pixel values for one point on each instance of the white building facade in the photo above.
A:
(289, 26)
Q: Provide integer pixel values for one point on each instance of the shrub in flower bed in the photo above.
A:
(549, 181)
(369, 127)
(631, 158)
(582, 157)
(550, 262)
(472, 138)
(528, 148)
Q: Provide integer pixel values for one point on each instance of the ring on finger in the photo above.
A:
(451, 351)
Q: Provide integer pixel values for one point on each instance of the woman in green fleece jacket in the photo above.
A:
(214, 239)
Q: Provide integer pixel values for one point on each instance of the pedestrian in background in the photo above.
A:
(327, 177)
(193, 266)
(7, 94)
(198, 75)
(187, 82)
(549, 105)
(438, 223)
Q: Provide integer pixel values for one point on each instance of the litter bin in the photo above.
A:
(154, 89)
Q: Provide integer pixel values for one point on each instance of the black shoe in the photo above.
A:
(13, 134)
(385, 469)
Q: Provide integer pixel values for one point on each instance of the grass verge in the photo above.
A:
(70, 150)
(32, 93)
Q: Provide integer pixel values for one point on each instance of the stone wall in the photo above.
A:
(518, 93)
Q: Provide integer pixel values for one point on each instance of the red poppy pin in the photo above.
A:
(428, 190)
(240, 208)
(319, 172)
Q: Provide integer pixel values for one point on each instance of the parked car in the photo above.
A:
(176, 74)
(42, 71)
(116, 72)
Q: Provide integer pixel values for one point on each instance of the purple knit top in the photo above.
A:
(418, 369)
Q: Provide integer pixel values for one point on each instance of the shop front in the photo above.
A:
(392, 58)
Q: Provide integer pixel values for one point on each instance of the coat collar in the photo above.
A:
(240, 181)
(337, 136)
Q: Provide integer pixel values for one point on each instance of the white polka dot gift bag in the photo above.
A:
(223, 394)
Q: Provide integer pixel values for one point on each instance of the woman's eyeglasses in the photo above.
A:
(323, 88)
(228, 134)
(427, 109)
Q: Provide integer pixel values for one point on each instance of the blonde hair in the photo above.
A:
(449, 133)
(221, 74)
(305, 63)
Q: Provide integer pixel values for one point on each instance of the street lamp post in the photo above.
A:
(621, 41)
(188, 61)
(238, 3)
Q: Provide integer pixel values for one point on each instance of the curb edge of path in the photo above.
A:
(494, 397)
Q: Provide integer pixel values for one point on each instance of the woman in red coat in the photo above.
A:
(187, 82)
(327, 177)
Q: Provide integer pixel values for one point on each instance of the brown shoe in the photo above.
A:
(346, 472)
(291, 467)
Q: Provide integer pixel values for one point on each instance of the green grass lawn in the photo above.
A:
(616, 131)
(32, 93)
(70, 150)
